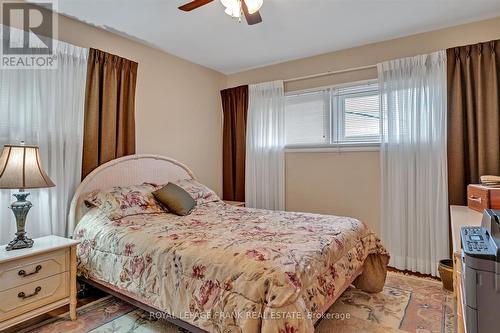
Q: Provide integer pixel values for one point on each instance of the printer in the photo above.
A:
(481, 274)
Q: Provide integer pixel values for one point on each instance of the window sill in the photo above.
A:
(333, 148)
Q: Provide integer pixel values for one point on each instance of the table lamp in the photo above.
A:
(21, 168)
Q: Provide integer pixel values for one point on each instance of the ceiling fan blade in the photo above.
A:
(194, 4)
(251, 18)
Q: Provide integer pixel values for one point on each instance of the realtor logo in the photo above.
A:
(28, 35)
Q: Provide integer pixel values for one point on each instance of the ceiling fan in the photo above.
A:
(234, 8)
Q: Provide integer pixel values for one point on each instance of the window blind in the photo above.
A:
(336, 116)
(307, 118)
(359, 113)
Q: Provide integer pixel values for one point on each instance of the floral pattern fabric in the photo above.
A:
(119, 202)
(199, 192)
(228, 269)
(407, 304)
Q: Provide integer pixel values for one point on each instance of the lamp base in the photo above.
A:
(20, 208)
(20, 242)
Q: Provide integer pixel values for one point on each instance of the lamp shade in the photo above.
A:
(253, 5)
(21, 168)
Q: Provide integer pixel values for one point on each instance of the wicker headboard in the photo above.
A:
(124, 171)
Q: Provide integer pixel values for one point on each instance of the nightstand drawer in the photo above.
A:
(23, 271)
(235, 203)
(33, 295)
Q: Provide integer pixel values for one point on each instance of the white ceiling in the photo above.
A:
(291, 29)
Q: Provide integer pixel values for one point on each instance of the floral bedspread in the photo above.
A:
(229, 269)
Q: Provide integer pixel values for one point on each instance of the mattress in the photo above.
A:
(229, 269)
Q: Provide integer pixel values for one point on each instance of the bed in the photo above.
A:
(222, 268)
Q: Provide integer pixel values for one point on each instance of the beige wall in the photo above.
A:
(179, 112)
(370, 54)
(349, 183)
(178, 107)
(346, 184)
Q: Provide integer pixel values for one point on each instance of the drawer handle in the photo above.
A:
(24, 296)
(476, 199)
(23, 273)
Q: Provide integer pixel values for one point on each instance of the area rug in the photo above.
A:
(407, 304)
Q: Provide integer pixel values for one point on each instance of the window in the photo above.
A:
(348, 115)
(307, 118)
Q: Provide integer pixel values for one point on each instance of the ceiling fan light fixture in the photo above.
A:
(233, 9)
(228, 3)
(253, 5)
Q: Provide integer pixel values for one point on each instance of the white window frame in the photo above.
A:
(341, 116)
(336, 118)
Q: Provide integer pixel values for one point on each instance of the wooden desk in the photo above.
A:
(462, 216)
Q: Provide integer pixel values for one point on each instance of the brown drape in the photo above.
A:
(109, 125)
(235, 107)
(473, 116)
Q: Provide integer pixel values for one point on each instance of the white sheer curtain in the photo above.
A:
(414, 161)
(44, 107)
(265, 147)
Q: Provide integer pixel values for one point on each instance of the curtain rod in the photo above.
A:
(330, 73)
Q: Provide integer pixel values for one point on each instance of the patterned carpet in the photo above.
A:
(407, 304)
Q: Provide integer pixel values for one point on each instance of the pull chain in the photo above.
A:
(241, 10)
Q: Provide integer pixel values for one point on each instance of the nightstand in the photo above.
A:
(235, 203)
(37, 280)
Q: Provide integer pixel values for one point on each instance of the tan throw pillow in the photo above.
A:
(175, 199)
